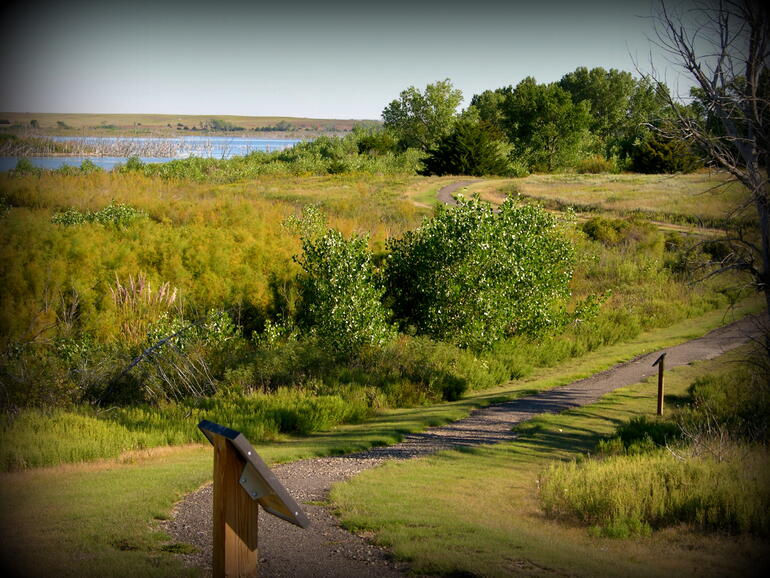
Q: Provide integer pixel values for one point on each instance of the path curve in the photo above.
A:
(445, 193)
(326, 550)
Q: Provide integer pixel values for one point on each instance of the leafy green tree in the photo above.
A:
(470, 149)
(374, 141)
(473, 276)
(620, 105)
(546, 128)
(607, 92)
(419, 119)
(340, 295)
(489, 106)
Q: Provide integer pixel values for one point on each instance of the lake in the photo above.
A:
(222, 147)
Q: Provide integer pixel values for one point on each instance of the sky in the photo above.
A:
(337, 59)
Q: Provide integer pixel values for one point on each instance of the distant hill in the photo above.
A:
(172, 124)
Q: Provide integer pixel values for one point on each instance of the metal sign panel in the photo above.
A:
(257, 479)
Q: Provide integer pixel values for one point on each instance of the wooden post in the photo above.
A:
(235, 515)
(660, 363)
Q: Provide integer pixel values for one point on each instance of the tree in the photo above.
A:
(489, 106)
(419, 119)
(722, 45)
(657, 154)
(470, 149)
(619, 105)
(473, 276)
(546, 128)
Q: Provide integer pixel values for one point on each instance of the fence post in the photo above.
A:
(660, 363)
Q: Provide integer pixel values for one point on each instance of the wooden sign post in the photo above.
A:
(660, 363)
(235, 515)
(242, 482)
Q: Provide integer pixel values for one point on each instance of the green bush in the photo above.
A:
(472, 276)
(469, 149)
(116, 214)
(640, 435)
(657, 154)
(341, 296)
(629, 232)
(738, 400)
(596, 164)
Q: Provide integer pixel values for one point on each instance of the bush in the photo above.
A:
(471, 276)
(658, 154)
(470, 149)
(632, 233)
(596, 164)
(640, 435)
(116, 214)
(737, 400)
(341, 297)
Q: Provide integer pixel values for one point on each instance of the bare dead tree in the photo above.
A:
(722, 45)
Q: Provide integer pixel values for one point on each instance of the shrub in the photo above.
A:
(632, 232)
(341, 297)
(640, 435)
(658, 154)
(116, 214)
(472, 276)
(469, 149)
(596, 164)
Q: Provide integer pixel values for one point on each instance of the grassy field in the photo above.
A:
(72, 124)
(222, 245)
(486, 520)
(698, 199)
(101, 518)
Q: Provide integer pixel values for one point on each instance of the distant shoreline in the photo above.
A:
(173, 126)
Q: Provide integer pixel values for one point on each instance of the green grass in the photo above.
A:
(107, 510)
(100, 519)
(622, 496)
(476, 512)
(37, 438)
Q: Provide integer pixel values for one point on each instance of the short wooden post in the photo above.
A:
(235, 515)
(242, 484)
(660, 363)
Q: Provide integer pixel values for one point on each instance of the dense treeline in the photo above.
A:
(590, 120)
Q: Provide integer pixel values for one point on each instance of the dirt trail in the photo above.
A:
(445, 193)
(326, 550)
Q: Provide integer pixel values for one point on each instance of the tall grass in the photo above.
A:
(706, 465)
(629, 495)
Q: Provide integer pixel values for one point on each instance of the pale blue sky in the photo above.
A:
(338, 59)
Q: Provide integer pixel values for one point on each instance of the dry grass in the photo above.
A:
(706, 195)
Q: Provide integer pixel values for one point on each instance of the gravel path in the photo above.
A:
(445, 194)
(326, 550)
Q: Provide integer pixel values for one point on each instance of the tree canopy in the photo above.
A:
(471, 148)
(420, 118)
